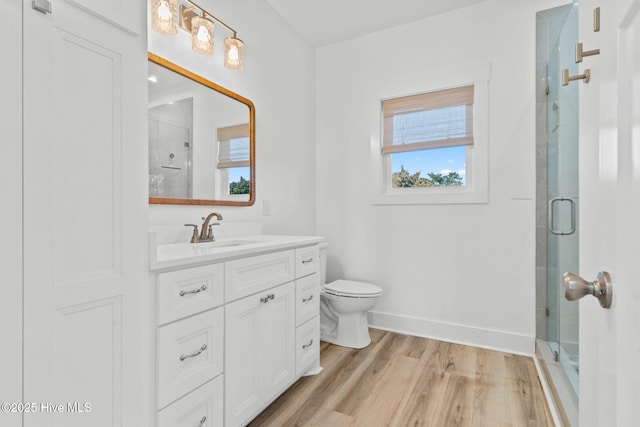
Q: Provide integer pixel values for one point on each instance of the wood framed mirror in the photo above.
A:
(201, 140)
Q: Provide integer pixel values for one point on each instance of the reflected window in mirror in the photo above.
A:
(233, 160)
(201, 140)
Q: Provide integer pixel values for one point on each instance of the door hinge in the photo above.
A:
(43, 6)
(547, 312)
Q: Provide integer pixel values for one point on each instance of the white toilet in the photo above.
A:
(343, 308)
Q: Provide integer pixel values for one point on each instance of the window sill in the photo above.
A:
(435, 196)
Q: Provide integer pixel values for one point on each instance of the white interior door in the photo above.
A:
(11, 212)
(610, 213)
(86, 341)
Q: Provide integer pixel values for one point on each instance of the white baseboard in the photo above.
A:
(459, 334)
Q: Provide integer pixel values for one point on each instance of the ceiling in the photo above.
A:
(330, 21)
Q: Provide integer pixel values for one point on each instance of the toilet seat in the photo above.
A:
(352, 289)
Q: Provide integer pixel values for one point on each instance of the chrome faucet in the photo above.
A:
(206, 233)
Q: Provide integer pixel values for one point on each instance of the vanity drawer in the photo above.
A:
(307, 298)
(307, 260)
(307, 344)
(204, 403)
(189, 353)
(182, 293)
(248, 276)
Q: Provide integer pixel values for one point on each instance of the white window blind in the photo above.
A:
(429, 120)
(233, 146)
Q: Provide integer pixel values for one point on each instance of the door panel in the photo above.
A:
(85, 169)
(242, 361)
(85, 252)
(628, 292)
(609, 189)
(118, 13)
(11, 212)
(277, 331)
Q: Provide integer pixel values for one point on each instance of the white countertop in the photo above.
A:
(177, 255)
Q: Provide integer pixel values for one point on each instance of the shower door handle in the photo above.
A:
(550, 216)
(575, 287)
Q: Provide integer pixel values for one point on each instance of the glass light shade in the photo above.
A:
(202, 35)
(164, 15)
(233, 53)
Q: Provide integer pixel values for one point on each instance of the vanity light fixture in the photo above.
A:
(202, 35)
(200, 26)
(163, 16)
(233, 53)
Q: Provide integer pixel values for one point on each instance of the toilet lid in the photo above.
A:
(352, 288)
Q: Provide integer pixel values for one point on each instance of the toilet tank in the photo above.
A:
(323, 262)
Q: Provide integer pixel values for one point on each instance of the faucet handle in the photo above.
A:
(210, 232)
(194, 237)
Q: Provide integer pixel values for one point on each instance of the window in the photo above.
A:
(233, 158)
(429, 140)
(426, 137)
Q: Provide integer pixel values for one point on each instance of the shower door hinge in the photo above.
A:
(555, 356)
(546, 311)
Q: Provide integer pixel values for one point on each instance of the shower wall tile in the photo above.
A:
(541, 207)
(541, 246)
(541, 287)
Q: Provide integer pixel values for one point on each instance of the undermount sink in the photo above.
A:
(223, 243)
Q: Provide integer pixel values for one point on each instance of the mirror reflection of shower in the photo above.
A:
(170, 165)
(170, 153)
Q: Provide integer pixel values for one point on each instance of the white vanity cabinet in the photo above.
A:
(259, 348)
(189, 346)
(233, 334)
(307, 308)
(272, 336)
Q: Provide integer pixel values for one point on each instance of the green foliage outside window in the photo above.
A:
(239, 187)
(405, 179)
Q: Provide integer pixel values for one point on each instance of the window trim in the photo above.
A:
(476, 188)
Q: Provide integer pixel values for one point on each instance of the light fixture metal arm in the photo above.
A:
(205, 12)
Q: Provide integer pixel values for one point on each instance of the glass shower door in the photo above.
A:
(562, 200)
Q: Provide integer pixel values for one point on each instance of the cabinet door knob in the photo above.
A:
(202, 421)
(304, 346)
(307, 299)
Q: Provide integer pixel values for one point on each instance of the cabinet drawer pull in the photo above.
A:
(307, 260)
(202, 421)
(305, 346)
(268, 298)
(194, 291)
(187, 356)
(307, 299)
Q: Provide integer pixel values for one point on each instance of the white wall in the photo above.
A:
(11, 212)
(458, 272)
(279, 77)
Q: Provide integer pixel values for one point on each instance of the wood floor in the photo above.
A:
(402, 380)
